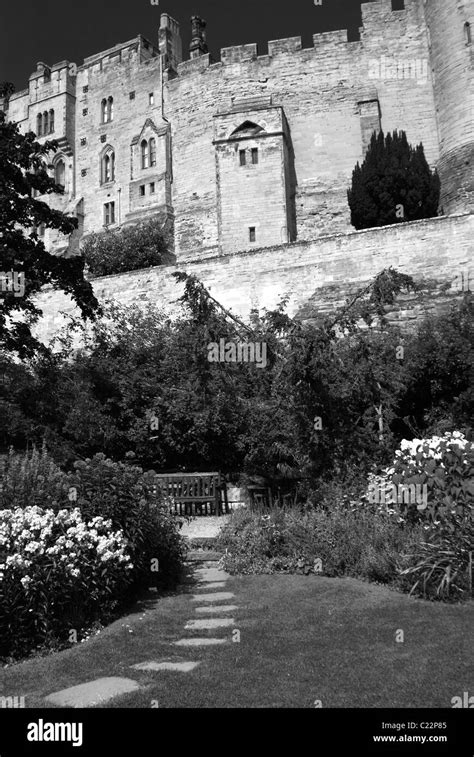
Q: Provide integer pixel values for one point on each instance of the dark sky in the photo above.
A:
(54, 30)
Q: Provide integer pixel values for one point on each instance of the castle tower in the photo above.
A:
(450, 26)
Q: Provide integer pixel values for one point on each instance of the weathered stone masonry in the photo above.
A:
(250, 156)
(318, 274)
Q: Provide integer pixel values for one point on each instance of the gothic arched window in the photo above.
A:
(144, 153)
(60, 172)
(110, 109)
(103, 111)
(39, 124)
(51, 121)
(152, 150)
(108, 166)
(45, 122)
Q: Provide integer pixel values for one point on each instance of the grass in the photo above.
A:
(303, 638)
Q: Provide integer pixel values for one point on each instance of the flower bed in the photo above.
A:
(58, 573)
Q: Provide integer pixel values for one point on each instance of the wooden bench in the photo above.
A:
(195, 493)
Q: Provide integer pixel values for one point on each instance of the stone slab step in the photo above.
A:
(212, 585)
(183, 667)
(195, 642)
(218, 596)
(93, 692)
(211, 574)
(208, 623)
(208, 610)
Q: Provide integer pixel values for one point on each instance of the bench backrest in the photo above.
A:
(189, 487)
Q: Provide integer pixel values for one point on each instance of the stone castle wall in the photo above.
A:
(323, 91)
(332, 96)
(318, 275)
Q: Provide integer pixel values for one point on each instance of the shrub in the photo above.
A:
(335, 542)
(58, 572)
(126, 495)
(130, 247)
(393, 184)
(442, 467)
(439, 567)
(33, 478)
(101, 487)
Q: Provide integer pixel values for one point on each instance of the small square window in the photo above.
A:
(83, 141)
(84, 172)
(132, 95)
(103, 137)
(242, 157)
(141, 190)
(151, 99)
(252, 235)
(85, 112)
(85, 88)
(254, 155)
(152, 188)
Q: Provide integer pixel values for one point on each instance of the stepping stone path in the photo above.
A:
(210, 578)
(93, 692)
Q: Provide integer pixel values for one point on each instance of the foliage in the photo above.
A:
(343, 540)
(394, 184)
(439, 566)
(125, 495)
(134, 246)
(58, 572)
(33, 479)
(24, 170)
(333, 397)
(101, 487)
(441, 467)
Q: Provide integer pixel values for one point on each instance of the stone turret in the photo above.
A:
(450, 26)
(198, 45)
(169, 42)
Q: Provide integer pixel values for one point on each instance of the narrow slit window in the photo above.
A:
(109, 213)
(144, 153)
(242, 157)
(152, 188)
(152, 148)
(467, 32)
(252, 235)
(142, 190)
(254, 155)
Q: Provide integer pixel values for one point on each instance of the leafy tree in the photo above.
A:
(131, 247)
(23, 171)
(394, 184)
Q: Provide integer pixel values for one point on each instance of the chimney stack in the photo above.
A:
(169, 42)
(198, 44)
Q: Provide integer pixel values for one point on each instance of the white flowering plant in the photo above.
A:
(430, 480)
(58, 572)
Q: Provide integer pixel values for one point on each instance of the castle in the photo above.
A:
(254, 153)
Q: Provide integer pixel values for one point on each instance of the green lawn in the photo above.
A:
(303, 638)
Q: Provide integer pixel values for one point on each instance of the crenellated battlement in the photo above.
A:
(375, 17)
